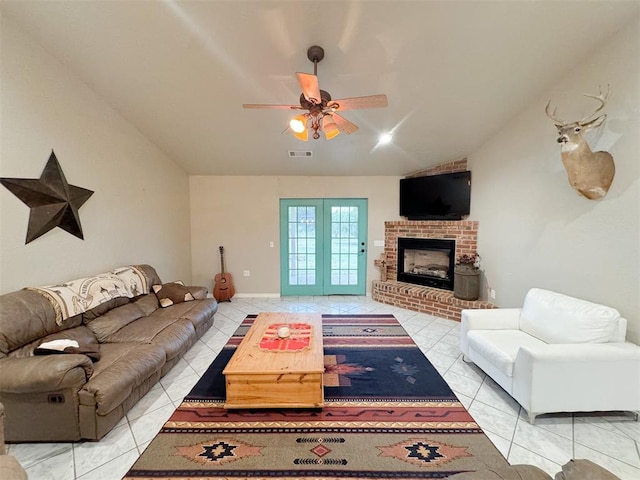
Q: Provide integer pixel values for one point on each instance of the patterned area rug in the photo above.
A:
(388, 415)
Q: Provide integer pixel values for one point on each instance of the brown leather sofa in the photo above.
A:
(10, 469)
(68, 397)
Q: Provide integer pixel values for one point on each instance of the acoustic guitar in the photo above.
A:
(223, 289)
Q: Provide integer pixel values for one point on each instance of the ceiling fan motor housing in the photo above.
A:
(324, 96)
(315, 53)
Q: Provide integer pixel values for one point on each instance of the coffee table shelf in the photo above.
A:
(267, 377)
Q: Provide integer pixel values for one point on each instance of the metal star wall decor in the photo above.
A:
(53, 202)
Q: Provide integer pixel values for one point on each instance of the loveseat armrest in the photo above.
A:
(580, 377)
(43, 373)
(487, 319)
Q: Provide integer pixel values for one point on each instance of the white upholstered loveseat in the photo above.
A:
(556, 354)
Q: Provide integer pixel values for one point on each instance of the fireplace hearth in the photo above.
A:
(426, 261)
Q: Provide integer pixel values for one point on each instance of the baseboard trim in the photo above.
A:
(257, 295)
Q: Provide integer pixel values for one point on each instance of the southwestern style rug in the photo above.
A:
(388, 414)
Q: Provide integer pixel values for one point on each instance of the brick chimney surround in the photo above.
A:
(434, 301)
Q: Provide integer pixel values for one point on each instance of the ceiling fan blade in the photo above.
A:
(344, 125)
(279, 107)
(371, 101)
(310, 88)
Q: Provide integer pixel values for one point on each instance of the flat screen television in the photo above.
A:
(436, 197)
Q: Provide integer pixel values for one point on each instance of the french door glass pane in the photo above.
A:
(302, 245)
(344, 246)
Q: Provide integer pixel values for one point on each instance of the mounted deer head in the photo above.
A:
(589, 173)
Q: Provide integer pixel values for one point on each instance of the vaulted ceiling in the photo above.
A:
(454, 72)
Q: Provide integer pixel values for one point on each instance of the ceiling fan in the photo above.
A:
(322, 109)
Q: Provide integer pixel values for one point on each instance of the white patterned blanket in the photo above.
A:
(78, 296)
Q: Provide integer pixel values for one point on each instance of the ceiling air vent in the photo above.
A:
(300, 153)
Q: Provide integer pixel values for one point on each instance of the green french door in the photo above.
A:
(323, 246)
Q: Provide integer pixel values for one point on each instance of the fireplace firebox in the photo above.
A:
(426, 261)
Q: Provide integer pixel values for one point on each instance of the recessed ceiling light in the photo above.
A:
(385, 138)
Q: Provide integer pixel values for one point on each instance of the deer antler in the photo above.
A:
(602, 98)
(552, 115)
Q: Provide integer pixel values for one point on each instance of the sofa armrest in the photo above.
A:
(577, 377)
(487, 319)
(44, 373)
(198, 292)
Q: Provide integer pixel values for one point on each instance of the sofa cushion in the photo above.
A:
(121, 369)
(148, 303)
(556, 318)
(500, 347)
(106, 325)
(152, 275)
(103, 308)
(172, 293)
(87, 342)
(168, 331)
(198, 292)
(197, 313)
(176, 339)
(82, 334)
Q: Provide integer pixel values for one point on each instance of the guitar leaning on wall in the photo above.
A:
(223, 289)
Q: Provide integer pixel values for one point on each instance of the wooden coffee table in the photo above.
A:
(267, 371)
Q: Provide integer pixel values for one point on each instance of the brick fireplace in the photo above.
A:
(433, 301)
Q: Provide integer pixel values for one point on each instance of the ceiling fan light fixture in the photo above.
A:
(298, 124)
(330, 127)
(332, 134)
(304, 135)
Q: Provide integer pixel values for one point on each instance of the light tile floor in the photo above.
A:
(611, 440)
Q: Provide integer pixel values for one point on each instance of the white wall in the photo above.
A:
(534, 230)
(242, 214)
(139, 212)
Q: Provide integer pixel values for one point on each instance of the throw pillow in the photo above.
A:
(172, 293)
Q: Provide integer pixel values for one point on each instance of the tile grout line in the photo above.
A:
(73, 458)
(513, 436)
